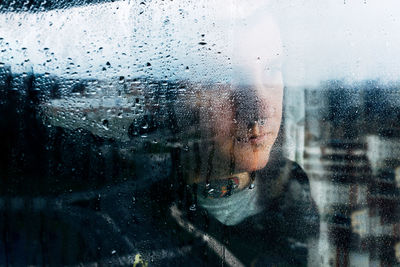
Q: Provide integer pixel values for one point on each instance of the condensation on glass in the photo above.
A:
(192, 133)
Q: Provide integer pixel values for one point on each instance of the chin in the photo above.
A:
(247, 156)
(250, 159)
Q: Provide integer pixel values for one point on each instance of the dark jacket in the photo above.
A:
(275, 237)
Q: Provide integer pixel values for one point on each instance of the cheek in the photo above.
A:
(273, 111)
(222, 121)
(272, 99)
(223, 127)
(277, 117)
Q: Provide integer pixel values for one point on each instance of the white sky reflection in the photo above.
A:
(330, 39)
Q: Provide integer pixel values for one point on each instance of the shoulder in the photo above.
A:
(298, 186)
(283, 166)
(290, 198)
(290, 180)
(296, 172)
(282, 176)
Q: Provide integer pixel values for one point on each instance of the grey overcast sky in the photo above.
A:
(330, 39)
(351, 39)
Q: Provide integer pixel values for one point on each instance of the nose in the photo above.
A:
(254, 128)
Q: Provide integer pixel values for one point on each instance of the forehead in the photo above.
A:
(256, 48)
(229, 48)
(257, 39)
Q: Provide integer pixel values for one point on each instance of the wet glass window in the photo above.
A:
(199, 133)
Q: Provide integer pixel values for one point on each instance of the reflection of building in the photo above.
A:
(380, 150)
(360, 222)
(352, 157)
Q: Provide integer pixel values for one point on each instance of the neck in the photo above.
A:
(243, 177)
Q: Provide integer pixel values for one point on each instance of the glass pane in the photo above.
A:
(165, 133)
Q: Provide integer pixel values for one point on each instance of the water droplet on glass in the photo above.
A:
(105, 124)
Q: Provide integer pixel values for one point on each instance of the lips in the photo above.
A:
(254, 139)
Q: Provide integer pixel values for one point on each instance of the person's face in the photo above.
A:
(246, 118)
